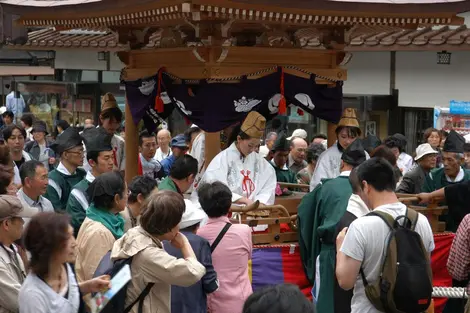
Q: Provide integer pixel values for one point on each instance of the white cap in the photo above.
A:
(298, 133)
(194, 126)
(423, 150)
(192, 215)
(3, 110)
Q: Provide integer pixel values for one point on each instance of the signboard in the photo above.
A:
(459, 107)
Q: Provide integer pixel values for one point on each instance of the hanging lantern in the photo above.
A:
(443, 57)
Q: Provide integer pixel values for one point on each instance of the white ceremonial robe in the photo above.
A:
(251, 177)
(328, 165)
(198, 152)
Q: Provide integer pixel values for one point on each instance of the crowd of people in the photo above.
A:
(65, 207)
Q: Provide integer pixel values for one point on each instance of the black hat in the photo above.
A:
(402, 139)
(70, 138)
(39, 126)
(354, 154)
(371, 142)
(106, 184)
(454, 142)
(281, 144)
(97, 139)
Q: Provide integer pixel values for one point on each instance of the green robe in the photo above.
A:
(168, 184)
(318, 215)
(285, 176)
(437, 180)
(75, 208)
(65, 183)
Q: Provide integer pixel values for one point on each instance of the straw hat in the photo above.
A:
(254, 125)
(348, 119)
(108, 102)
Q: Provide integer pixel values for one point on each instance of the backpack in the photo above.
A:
(117, 304)
(404, 284)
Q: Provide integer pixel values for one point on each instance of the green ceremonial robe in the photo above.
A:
(318, 214)
(59, 189)
(437, 180)
(77, 204)
(168, 184)
(284, 175)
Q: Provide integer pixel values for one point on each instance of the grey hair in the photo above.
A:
(270, 135)
(459, 156)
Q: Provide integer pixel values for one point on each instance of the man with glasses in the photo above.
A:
(69, 147)
(34, 178)
(100, 158)
(12, 269)
(148, 166)
(179, 147)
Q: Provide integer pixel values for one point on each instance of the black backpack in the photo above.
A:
(118, 303)
(404, 284)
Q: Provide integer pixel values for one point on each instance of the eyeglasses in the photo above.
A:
(81, 152)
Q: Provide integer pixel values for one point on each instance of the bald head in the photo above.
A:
(298, 150)
(163, 138)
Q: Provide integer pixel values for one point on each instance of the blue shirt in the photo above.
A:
(193, 299)
(167, 163)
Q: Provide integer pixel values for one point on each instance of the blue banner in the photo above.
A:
(459, 107)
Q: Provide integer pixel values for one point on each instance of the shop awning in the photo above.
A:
(26, 71)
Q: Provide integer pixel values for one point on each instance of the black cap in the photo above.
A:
(39, 126)
(371, 142)
(97, 139)
(454, 142)
(281, 144)
(69, 139)
(402, 140)
(354, 154)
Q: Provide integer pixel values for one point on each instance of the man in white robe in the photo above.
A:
(248, 175)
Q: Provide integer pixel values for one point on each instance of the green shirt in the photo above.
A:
(437, 180)
(168, 184)
(60, 186)
(284, 175)
(75, 206)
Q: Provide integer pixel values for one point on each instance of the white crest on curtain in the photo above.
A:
(245, 105)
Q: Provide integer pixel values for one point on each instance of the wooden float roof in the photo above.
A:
(138, 13)
(361, 38)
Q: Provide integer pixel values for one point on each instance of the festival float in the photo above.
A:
(216, 60)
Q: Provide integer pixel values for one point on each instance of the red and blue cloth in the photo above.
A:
(279, 264)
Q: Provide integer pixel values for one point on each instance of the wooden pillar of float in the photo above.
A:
(212, 147)
(132, 146)
(331, 134)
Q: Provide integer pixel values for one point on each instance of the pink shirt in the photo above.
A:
(230, 259)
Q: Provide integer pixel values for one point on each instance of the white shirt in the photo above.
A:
(42, 205)
(251, 177)
(263, 151)
(16, 170)
(366, 240)
(159, 155)
(404, 162)
(38, 297)
(16, 105)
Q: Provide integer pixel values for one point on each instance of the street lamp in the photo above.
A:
(443, 57)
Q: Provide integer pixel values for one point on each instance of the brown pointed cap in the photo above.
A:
(348, 118)
(254, 125)
(108, 102)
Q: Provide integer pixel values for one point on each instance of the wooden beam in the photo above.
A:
(331, 134)
(132, 146)
(212, 147)
(224, 72)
